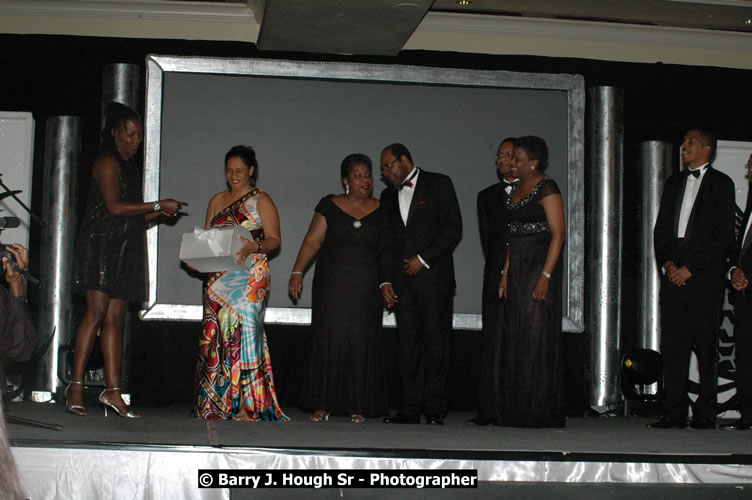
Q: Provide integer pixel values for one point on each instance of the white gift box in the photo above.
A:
(213, 250)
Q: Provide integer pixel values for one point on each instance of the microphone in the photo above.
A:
(9, 222)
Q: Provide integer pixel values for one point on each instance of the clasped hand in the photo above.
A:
(677, 275)
(412, 266)
(738, 280)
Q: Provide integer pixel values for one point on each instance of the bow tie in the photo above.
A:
(409, 181)
(695, 173)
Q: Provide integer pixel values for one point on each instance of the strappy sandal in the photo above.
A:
(106, 403)
(357, 419)
(320, 416)
(79, 410)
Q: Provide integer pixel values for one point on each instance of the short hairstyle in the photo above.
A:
(248, 156)
(354, 159)
(399, 150)
(708, 138)
(536, 149)
(508, 139)
(115, 116)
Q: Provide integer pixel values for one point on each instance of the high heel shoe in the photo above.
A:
(79, 410)
(320, 416)
(105, 403)
(356, 418)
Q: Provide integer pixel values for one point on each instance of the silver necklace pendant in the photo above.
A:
(357, 224)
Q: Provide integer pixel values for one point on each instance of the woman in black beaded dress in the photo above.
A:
(110, 266)
(343, 373)
(530, 286)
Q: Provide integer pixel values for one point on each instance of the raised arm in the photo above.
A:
(272, 236)
(107, 172)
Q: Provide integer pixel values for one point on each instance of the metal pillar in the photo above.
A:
(61, 161)
(606, 140)
(121, 83)
(654, 168)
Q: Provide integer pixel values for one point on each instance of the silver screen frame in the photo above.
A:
(574, 86)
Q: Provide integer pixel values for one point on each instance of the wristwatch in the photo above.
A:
(157, 206)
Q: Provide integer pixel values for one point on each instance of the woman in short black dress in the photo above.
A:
(110, 267)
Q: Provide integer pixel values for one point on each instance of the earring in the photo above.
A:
(347, 188)
(532, 168)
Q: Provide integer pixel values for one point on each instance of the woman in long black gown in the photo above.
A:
(530, 286)
(343, 373)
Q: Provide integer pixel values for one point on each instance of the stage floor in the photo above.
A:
(592, 438)
(163, 454)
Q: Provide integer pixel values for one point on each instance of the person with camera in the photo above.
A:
(18, 337)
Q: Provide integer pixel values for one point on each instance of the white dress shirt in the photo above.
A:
(405, 197)
(690, 195)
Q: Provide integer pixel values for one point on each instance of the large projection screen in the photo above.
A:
(303, 118)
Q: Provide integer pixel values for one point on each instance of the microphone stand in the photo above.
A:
(12, 194)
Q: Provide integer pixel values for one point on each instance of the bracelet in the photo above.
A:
(258, 250)
(547, 275)
(503, 272)
(297, 272)
(157, 206)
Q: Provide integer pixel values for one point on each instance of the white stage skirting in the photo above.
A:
(143, 472)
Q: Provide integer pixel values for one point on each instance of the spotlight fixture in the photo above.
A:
(641, 372)
(464, 3)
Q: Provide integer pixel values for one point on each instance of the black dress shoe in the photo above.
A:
(738, 425)
(434, 421)
(401, 419)
(668, 423)
(479, 420)
(701, 423)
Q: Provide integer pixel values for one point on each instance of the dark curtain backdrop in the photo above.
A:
(62, 75)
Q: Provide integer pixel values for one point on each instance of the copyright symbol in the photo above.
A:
(205, 479)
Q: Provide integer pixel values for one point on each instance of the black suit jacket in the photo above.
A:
(742, 257)
(709, 236)
(434, 227)
(493, 237)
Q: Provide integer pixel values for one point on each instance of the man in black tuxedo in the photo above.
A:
(420, 227)
(739, 275)
(493, 240)
(693, 234)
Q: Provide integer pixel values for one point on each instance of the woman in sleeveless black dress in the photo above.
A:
(110, 267)
(343, 372)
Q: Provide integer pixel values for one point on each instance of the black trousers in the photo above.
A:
(489, 383)
(424, 326)
(743, 350)
(689, 321)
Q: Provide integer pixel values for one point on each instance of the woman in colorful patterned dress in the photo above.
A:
(234, 374)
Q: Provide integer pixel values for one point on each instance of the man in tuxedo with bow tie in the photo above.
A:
(739, 275)
(493, 241)
(693, 234)
(420, 227)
